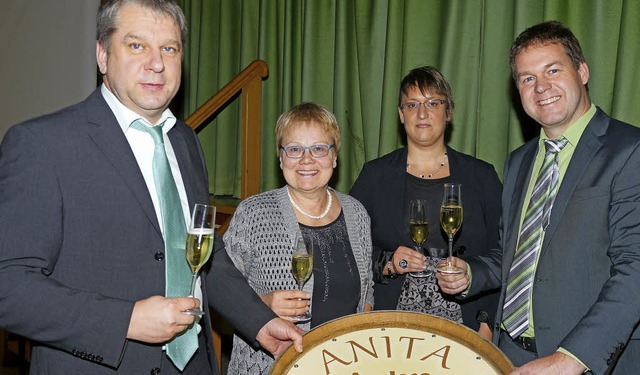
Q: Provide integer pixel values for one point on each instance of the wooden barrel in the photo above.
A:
(392, 343)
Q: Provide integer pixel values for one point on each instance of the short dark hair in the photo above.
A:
(545, 33)
(108, 14)
(427, 79)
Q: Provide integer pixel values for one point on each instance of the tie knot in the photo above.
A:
(154, 131)
(555, 145)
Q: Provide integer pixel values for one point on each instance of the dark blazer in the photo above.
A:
(380, 188)
(585, 294)
(80, 243)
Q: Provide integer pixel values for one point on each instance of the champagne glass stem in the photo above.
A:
(418, 249)
(193, 284)
(449, 264)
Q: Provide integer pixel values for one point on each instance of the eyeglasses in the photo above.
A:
(414, 106)
(317, 151)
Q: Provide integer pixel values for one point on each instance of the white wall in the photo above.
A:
(47, 56)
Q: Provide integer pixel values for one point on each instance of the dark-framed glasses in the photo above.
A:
(414, 106)
(317, 151)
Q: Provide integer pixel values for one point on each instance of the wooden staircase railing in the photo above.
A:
(249, 83)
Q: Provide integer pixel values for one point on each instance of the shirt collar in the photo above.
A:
(125, 116)
(574, 132)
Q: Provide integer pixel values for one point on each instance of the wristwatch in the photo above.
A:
(390, 273)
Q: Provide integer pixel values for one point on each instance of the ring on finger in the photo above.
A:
(403, 263)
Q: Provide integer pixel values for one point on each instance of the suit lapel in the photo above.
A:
(111, 141)
(181, 150)
(587, 147)
(396, 194)
(457, 167)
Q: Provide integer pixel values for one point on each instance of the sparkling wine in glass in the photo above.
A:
(200, 238)
(302, 268)
(419, 229)
(451, 215)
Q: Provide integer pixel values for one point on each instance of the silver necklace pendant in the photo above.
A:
(430, 175)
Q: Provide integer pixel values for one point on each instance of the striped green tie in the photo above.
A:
(177, 271)
(518, 295)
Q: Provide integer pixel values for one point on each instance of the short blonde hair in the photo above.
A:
(308, 113)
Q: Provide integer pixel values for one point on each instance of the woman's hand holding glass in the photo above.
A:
(287, 303)
(451, 215)
(419, 230)
(301, 269)
(453, 283)
(415, 262)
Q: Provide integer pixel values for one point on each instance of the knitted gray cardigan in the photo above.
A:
(260, 243)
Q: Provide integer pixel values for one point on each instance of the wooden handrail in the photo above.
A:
(249, 82)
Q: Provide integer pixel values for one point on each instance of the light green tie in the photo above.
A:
(177, 271)
(520, 282)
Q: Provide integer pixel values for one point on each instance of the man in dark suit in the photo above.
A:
(82, 254)
(571, 305)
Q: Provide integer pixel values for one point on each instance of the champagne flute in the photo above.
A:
(451, 220)
(436, 255)
(419, 229)
(302, 268)
(200, 238)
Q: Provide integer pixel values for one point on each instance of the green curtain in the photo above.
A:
(350, 56)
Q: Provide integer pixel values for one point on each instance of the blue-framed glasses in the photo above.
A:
(317, 151)
(414, 106)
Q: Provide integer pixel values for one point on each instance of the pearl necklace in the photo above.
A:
(430, 175)
(321, 216)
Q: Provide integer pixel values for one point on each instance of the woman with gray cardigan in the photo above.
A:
(265, 227)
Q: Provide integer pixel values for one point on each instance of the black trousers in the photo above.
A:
(518, 355)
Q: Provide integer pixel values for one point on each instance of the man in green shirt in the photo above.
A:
(569, 267)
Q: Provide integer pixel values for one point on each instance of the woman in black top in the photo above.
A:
(418, 171)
